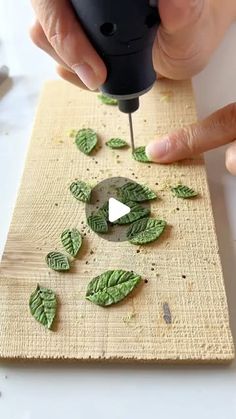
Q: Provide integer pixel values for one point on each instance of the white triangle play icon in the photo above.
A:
(116, 209)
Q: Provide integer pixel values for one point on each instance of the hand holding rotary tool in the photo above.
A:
(123, 33)
(188, 33)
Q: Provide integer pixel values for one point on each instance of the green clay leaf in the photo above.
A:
(111, 287)
(133, 191)
(57, 261)
(140, 155)
(104, 210)
(97, 222)
(145, 231)
(43, 305)
(81, 191)
(72, 241)
(116, 143)
(137, 212)
(107, 100)
(184, 192)
(86, 140)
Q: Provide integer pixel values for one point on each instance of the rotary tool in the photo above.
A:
(123, 33)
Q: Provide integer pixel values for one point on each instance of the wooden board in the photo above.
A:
(183, 269)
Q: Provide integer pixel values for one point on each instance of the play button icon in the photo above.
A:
(116, 209)
(109, 213)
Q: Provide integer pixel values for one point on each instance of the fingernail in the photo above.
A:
(87, 75)
(156, 150)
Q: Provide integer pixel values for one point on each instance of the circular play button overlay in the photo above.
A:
(113, 207)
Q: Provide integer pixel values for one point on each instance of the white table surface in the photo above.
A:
(59, 390)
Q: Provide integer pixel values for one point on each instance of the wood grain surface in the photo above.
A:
(180, 313)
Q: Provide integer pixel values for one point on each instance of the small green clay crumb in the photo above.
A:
(127, 319)
(166, 96)
(72, 133)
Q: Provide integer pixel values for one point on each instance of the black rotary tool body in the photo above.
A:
(122, 32)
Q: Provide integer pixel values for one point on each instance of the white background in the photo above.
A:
(59, 390)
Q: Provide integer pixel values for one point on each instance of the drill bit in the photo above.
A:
(131, 132)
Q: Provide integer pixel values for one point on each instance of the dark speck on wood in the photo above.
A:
(167, 313)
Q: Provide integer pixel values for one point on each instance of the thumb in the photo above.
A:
(66, 36)
(230, 159)
(177, 15)
(180, 48)
(216, 130)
